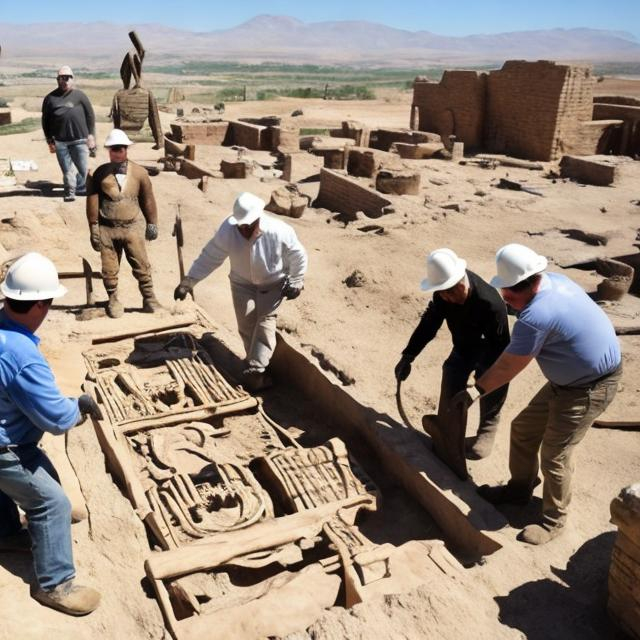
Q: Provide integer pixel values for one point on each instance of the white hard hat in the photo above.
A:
(246, 209)
(117, 137)
(65, 70)
(32, 277)
(444, 270)
(515, 263)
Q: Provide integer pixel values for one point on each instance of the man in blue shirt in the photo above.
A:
(30, 404)
(578, 352)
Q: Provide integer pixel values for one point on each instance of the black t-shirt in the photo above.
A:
(479, 327)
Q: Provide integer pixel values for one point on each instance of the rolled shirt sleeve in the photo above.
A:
(36, 394)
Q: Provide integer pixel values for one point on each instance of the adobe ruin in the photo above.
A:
(535, 110)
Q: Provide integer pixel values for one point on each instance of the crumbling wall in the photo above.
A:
(454, 106)
(247, 135)
(534, 109)
(213, 133)
(340, 193)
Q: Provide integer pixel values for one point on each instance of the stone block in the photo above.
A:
(191, 170)
(418, 151)
(398, 182)
(588, 171)
(624, 571)
(236, 170)
(5, 116)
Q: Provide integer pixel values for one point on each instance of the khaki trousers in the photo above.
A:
(130, 240)
(554, 422)
(256, 313)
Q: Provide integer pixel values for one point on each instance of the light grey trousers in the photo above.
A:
(256, 312)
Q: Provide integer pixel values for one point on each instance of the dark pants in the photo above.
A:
(455, 376)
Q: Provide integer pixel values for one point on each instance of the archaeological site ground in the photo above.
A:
(319, 508)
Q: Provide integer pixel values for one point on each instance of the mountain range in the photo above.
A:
(289, 40)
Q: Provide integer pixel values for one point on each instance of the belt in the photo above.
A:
(591, 383)
(107, 222)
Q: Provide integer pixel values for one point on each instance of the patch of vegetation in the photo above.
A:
(341, 92)
(24, 126)
(314, 132)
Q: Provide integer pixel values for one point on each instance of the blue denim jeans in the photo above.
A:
(29, 480)
(73, 158)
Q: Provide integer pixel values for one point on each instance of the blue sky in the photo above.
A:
(446, 17)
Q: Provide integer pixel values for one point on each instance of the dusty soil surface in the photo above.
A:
(555, 591)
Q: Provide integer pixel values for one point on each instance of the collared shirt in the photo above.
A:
(570, 336)
(30, 401)
(265, 259)
(479, 327)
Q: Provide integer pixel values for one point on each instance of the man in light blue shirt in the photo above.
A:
(30, 404)
(578, 352)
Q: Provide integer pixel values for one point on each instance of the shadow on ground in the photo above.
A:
(573, 608)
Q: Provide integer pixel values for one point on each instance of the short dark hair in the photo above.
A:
(526, 283)
(23, 306)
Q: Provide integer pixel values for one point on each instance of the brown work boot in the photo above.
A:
(150, 304)
(17, 542)
(114, 306)
(509, 493)
(70, 598)
(540, 534)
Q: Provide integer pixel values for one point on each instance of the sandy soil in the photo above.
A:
(557, 591)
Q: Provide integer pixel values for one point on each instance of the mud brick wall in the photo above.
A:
(340, 193)
(534, 109)
(454, 106)
(251, 136)
(382, 139)
(213, 133)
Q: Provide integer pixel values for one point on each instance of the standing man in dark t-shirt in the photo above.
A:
(69, 125)
(477, 319)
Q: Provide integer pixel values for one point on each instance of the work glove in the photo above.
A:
(91, 143)
(95, 237)
(291, 292)
(89, 407)
(465, 398)
(403, 368)
(152, 232)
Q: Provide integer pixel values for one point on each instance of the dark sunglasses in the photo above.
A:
(117, 147)
(65, 77)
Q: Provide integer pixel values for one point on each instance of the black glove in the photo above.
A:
(152, 232)
(181, 292)
(403, 368)
(88, 406)
(291, 292)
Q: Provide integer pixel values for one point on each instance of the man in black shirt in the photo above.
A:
(69, 125)
(477, 319)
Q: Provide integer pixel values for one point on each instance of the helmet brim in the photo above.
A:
(504, 283)
(427, 285)
(248, 218)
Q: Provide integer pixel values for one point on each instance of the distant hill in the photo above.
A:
(288, 40)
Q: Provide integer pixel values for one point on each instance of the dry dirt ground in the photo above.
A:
(555, 591)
